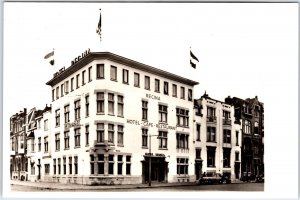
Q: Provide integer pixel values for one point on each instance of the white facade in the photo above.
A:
(220, 138)
(115, 107)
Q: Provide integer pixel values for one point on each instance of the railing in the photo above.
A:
(211, 119)
(226, 121)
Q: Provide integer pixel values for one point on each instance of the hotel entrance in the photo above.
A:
(159, 169)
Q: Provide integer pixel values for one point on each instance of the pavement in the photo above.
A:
(71, 186)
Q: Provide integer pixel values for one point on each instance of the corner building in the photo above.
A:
(111, 114)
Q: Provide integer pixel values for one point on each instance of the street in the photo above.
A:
(190, 188)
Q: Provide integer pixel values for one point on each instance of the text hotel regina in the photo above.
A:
(109, 113)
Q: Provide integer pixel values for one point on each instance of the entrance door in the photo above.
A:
(198, 169)
(158, 169)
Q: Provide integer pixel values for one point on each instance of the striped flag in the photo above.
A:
(98, 30)
(50, 57)
(193, 60)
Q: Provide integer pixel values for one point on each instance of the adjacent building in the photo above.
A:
(217, 138)
(249, 113)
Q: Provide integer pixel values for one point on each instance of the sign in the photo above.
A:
(74, 124)
(156, 155)
(149, 124)
(85, 53)
(61, 70)
(151, 96)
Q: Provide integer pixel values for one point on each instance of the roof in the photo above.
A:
(119, 59)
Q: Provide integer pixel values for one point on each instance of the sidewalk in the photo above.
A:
(70, 186)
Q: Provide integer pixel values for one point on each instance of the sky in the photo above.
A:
(244, 50)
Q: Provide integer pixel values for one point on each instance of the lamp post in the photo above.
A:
(150, 158)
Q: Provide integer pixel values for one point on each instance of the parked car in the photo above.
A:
(260, 178)
(213, 178)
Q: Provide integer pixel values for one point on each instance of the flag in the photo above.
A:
(50, 57)
(98, 30)
(193, 60)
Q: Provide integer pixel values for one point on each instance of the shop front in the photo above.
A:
(156, 167)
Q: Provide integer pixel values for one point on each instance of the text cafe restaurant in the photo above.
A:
(135, 114)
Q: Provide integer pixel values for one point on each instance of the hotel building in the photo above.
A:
(111, 115)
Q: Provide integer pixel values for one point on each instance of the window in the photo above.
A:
(227, 136)
(182, 92)
(46, 144)
(198, 132)
(144, 137)
(77, 137)
(144, 110)
(128, 165)
(46, 125)
(157, 85)
(110, 164)
(90, 74)
(87, 133)
(58, 165)
(70, 165)
(53, 95)
(62, 90)
(111, 103)
(182, 141)
(198, 153)
(67, 87)
(67, 139)
(190, 95)
(163, 113)
(211, 117)
(77, 110)
(100, 71)
(100, 133)
(166, 88)
(247, 127)
(125, 76)
(163, 139)
(72, 84)
(113, 73)
(182, 117)
(211, 134)
(64, 165)
(120, 164)
(54, 166)
(120, 135)
(83, 78)
(237, 138)
(120, 106)
(136, 80)
(211, 151)
(47, 169)
(100, 102)
(174, 89)
(77, 81)
(92, 162)
(226, 157)
(76, 164)
(256, 111)
(39, 143)
(57, 92)
(256, 128)
(110, 133)
(237, 156)
(100, 163)
(182, 166)
(32, 169)
(87, 103)
(147, 82)
(67, 113)
(57, 142)
(57, 118)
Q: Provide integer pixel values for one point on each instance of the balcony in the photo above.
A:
(227, 122)
(212, 119)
